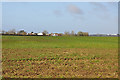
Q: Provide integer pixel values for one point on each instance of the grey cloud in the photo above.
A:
(74, 9)
(100, 10)
(99, 6)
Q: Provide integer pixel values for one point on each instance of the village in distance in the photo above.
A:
(46, 33)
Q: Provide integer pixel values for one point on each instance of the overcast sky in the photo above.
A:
(92, 17)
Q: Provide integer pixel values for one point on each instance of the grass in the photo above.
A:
(58, 42)
(59, 57)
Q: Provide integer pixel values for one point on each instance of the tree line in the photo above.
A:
(45, 32)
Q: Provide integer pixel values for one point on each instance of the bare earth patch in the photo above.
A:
(60, 63)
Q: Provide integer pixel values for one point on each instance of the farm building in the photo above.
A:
(47, 34)
(11, 33)
(54, 34)
(60, 34)
(40, 34)
(32, 33)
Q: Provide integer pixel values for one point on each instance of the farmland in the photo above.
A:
(59, 57)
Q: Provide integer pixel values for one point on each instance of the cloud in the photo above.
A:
(100, 10)
(99, 6)
(74, 9)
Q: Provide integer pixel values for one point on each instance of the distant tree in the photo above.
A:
(3, 32)
(80, 33)
(45, 32)
(66, 33)
(32, 32)
(21, 32)
(60, 34)
(12, 31)
(72, 33)
(6, 33)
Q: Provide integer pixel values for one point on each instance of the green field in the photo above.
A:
(59, 57)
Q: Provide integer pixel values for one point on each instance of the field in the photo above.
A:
(59, 57)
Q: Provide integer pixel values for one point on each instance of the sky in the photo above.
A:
(92, 17)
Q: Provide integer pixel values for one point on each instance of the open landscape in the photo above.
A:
(59, 39)
(59, 57)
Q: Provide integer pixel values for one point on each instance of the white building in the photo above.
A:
(40, 34)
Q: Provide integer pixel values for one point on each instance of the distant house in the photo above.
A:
(60, 34)
(104, 35)
(47, 34)
(85, 34)
(114, 34)
(11, 33)
(32, 33)
(40, 34)
(54, 34)
(29, 34)
(35, 33)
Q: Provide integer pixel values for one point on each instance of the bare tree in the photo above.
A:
(72, 33)
(12, 31)
(3, 32)
(22, 32)
(66, 33)
(45, 32)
